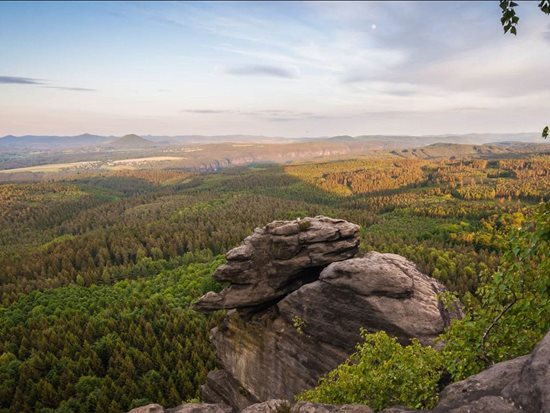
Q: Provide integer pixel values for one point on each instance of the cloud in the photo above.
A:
(16, 80)
(74, 89)
(275, 115)
(263, 70)
(207, 111)
(287, 115)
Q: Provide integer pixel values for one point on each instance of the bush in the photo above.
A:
(382, 373)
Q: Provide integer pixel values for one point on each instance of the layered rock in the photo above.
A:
(297, 302)
(278, 259)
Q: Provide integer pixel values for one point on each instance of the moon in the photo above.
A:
(373, 26)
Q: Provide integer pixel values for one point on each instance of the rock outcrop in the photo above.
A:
(279, 259)
(297, 300)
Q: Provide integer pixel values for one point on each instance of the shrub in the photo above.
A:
(381, 373)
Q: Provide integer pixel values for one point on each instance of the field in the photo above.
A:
(99, 268)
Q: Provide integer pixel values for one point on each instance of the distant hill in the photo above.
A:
(51, 142)
(129, 142)
(362, 142)
(454, 150)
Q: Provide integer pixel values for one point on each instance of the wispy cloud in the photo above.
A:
(18, 80)
(207, 111)
(264, 70)
(73, 89)
(276, 115)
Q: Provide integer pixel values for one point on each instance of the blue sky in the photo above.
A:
(275, 69)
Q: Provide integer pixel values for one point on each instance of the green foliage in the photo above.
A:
(98, 272)
(107, 348)
(509, 19)
(511, 310)
(544, 6)
(383, 373)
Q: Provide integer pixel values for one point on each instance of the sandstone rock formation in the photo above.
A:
(297, 302)
(279, 259)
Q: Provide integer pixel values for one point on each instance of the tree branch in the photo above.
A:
(484, 355)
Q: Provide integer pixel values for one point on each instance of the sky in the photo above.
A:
(291, 69)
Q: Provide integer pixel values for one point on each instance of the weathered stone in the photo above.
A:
(486, 404)
(398, 409)
(150, 408)
(378, 292)
(307, 407)
(200, 408)
(220, 387)
(270, 406)
(300, 302)
(489, 382)
(280, 258)
(530, 389)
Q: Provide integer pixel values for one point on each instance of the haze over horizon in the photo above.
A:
(272, 69)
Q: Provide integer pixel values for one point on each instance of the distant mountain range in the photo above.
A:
(132, 141)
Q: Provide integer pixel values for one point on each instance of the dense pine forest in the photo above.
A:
(99, 270)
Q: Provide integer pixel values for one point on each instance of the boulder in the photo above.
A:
(489, 382)
(530, 389)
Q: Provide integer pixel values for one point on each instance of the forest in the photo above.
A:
(99, 270)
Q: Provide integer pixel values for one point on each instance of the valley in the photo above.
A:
(91, 256)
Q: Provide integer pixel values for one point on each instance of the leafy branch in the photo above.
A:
(509, 21)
